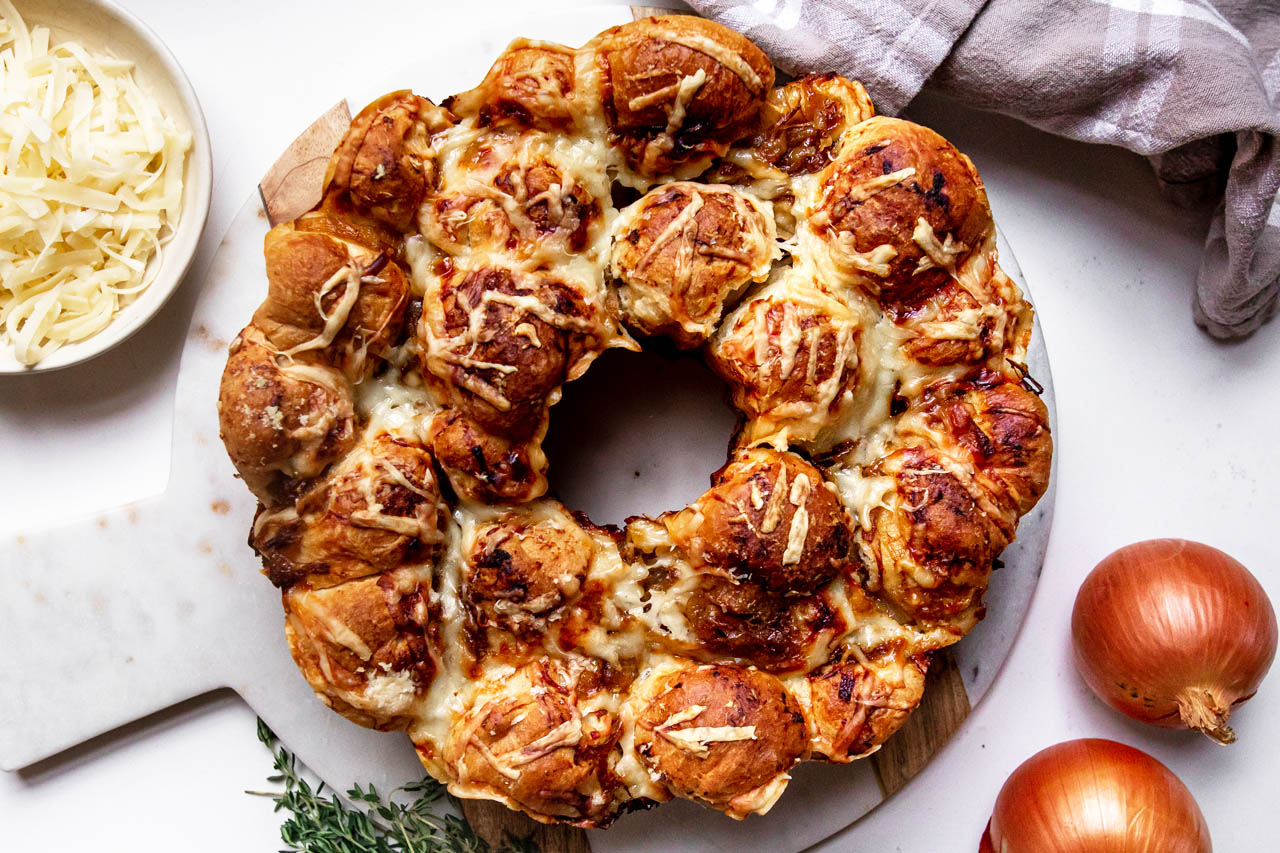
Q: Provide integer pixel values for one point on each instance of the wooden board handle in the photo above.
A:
(944, 707)
(293, 184)
(494, 822)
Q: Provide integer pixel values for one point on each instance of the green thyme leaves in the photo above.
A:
(407, 820)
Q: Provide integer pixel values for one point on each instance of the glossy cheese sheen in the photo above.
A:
(448, 695)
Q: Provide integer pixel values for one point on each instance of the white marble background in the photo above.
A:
(1161, 432)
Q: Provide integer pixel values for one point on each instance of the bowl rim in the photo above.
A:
(174, 265)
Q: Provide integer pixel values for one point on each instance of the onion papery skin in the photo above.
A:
(1173, 633)
(1095, 796)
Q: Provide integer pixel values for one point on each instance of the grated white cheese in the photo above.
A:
(90, 188)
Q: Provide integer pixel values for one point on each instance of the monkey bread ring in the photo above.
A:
(388, 400)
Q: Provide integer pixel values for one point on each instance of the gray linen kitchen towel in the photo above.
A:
(1191, 85)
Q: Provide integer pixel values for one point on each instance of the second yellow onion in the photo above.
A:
(1095, 796)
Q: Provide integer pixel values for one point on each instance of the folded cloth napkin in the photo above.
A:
(1191, 85)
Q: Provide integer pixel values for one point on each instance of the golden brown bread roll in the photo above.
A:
(383, 167)
(1003, 427)
(682, 252)
(485, 468)
(974, 456)
(678, 90)
(769, 516)
(528, 742)
(901, 207)
(790, 356)
(524, 565)
(931, 545)
(499, 342)
(281, 420)
(349, 226)
(856, 702)
(720, 734)
(330, 301)
(377, 509)
(531, 85)
(368, 647)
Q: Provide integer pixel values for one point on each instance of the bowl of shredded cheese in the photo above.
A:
(105, 177)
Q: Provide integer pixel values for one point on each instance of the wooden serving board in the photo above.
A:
(106, 620)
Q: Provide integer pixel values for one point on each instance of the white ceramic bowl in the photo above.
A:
(102, 26)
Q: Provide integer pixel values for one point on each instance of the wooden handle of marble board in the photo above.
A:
(292, 185)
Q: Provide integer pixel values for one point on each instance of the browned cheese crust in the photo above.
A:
(518, 197)
(531, 85)
(854, 704)
(791, 363)
(974, 457)
(520, 571)
(330, 301)
(388, 401)
(485, 468)
(280, 424)
(501, 342)
(744, 621)
(529, 742)
(377, 509)
(801, 128)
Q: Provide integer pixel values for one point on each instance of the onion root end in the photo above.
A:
(1201, 709)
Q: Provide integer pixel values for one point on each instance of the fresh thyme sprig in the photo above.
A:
(404, 821)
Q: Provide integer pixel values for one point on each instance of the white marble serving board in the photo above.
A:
(108, 619)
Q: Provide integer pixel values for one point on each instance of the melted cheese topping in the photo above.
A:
(333, 629)
(697, 740)
(628, 615)
(450, 692)
(799, 528)
(472, 159)
(745, 338)
(666, 140)
(651, 298)
(390, 404)
(349, 277)
(938, 253)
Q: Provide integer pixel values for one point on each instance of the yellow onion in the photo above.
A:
(1173, 633)
(1095, 796)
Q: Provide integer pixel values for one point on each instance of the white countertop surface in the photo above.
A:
(1162, 432)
